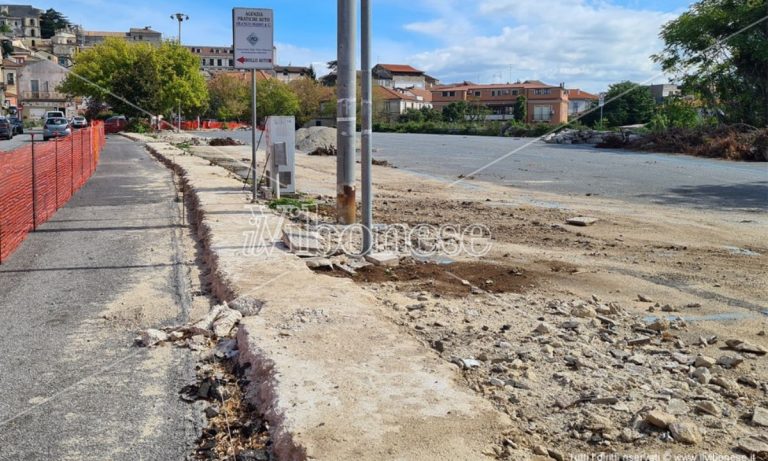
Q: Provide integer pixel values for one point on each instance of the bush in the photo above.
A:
(138, 125)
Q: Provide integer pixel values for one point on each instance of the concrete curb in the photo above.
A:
(335, 378)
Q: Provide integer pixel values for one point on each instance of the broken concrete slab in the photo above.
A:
(301, 241)
(581, 221)
(383, 259)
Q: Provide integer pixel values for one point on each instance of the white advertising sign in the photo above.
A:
(253, 31)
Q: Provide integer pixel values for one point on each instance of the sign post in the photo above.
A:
(601, 102)
(253, 38)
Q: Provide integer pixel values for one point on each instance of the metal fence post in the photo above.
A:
(34, 190)
(56, 166)
(72, 165)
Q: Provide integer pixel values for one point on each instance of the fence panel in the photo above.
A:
(33, 185)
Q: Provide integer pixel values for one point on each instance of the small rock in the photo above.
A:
(246, 305)
(644, 299)
(704, 361)
(152, 337)
(542, 329)
(760, 417)
(659, 419)
(743, 346)
(702, 375)
(541, 450)
(685, 432)
(752, 445)
(212, 411)
(585, 312)
(581, 221)
(661, 324)
(383, 259)
(726, 383)
(318, 263)
(729, 362)
(708, 408)
(682, 359)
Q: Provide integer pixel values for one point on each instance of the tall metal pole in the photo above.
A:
(346, 112)
(367, 128)
(254, 186)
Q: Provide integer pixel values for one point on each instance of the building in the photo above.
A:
(545, 103)
(37, 83)
(11, 70)
(214, 58)
(89, 38)
(391, 103)
(580, 101)
(287, 74)
(661, 92)
(23, 20)
(145, 34)
(401, 76)
(64, 47)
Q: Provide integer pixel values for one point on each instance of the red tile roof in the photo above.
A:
(413, 94)
(400, 69)
(579, 94)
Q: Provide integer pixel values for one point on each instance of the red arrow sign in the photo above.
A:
(241, 60)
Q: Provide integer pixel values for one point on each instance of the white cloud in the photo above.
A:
(582, 43)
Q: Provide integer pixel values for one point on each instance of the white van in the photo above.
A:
(53, 114)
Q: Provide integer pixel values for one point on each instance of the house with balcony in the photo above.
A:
(401, 76)
(580, 101)
(391, 103)
(545, 103)
(10, 78)
(37, 88)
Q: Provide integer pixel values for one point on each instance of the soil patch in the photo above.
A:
(453, 280)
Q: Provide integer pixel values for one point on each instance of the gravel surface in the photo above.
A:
(73, 297)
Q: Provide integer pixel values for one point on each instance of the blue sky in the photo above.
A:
(584, 43)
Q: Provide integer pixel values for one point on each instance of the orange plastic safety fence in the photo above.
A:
(39, 178)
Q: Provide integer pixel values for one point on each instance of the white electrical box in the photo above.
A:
(281, 152)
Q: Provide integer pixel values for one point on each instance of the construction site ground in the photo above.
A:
(641, 334)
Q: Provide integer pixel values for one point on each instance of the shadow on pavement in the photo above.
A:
(745, 196)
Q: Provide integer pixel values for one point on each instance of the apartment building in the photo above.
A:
(23, 20)
(545, 103)
(89, 38)
(391, 103)
(401, 76)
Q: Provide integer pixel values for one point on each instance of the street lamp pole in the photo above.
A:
(180, 17)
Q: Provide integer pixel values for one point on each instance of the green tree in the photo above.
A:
(52, 21)
(455, 111)
(228, 97)
(411, 115)
(520, 110)
(127, 74)
(310, 94)
(274, 98)
(431, 115)
(626, 103)
(725, 67)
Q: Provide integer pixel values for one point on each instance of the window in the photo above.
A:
(514, 92)
(219, 63)
(542, 113)
(449, 94)
(477, 93)
(231, 63)
(34, 85)
(11, 78)
(541, 91)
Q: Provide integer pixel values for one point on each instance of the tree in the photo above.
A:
(312, 74)
(126, 75)
(274, 98)
(310, 94)
(725, 67)
(52, 21)
(626, 103)
(455, 112)
(228, 97)
(411, 115)
(520, 110)
(430, 114)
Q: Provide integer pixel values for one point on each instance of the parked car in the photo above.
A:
(17, 124)
(6, 129)
(78, 121)
(53, 114)
(115, 124)
(54, 127)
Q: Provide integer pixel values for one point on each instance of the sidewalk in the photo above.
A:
(337, 378)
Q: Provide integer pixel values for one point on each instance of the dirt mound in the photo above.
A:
(224, 142)
(313, 138)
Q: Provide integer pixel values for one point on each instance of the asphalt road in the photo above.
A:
(73, 385)
(576, 170)
(17, 141)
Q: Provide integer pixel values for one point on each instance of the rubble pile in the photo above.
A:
(584, 376)
(568, 136)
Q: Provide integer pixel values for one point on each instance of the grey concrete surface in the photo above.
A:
(576, 170)
(73, 385)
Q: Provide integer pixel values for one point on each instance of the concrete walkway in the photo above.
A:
(337, 378)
